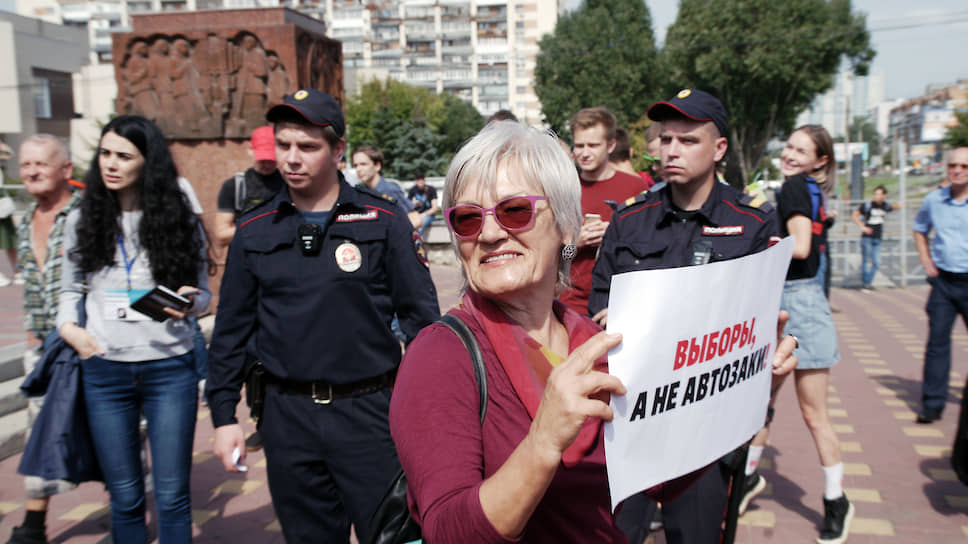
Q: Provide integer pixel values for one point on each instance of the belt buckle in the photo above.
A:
(319, 398)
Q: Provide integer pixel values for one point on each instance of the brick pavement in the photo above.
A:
(897, 472)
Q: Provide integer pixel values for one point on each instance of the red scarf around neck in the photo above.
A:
(528, 366)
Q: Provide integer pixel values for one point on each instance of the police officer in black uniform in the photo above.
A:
(692, 220)
(312, 281)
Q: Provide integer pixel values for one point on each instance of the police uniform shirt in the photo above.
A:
(323, 317)
(650, 232)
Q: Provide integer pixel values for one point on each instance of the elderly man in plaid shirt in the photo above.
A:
(45, 168)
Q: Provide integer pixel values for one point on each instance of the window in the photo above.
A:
(42, 98)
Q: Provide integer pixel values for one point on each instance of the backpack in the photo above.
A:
(391, 522)
(819, 215)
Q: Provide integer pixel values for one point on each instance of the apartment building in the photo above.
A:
(37, 60)
(480, 50)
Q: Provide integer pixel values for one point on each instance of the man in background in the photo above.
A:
(368, 162)
(424, 199)
(45, 168)
(870, 218)
(621, 157)
(945, 263)
(602, 188)
(243, 191)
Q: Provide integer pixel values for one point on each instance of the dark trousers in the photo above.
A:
(948, 298)
(695, 517)
(328, 465)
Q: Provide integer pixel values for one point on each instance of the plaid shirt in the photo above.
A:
(42, 286)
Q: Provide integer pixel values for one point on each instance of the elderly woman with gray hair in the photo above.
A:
(534, 469)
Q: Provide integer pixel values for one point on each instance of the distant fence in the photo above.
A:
(899, 264)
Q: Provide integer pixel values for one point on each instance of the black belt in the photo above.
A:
(953, 275)
(325, 392)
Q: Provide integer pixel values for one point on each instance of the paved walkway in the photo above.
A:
(897, 473)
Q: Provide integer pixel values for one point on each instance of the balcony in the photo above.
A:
(139, 6)
(488, 77)
(419, 12)
(421, 49)
(384, 35)
(456, 48)
(492, 14)
(422, 62)
(102, 44)
(422, 78)
(460, 80)
(75, 13)
(384, 51)
(492, 58)
(493, 47)
(454, 30)
(456, 60)
(347, 33)
(420, 32)
(174, 5)
(455, 12)
(385, 15)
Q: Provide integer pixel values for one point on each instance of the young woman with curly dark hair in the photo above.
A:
(135, 230)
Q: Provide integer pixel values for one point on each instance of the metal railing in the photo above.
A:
(899, 263)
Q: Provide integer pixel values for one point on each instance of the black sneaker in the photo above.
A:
(753, 485)
(254, 442)
(928, 416)
(27, 535)
(836, 520)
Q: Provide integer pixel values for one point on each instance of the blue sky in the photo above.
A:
(917, 42)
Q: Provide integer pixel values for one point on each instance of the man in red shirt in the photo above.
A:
(593, 133)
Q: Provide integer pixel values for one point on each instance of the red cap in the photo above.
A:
(264, 144)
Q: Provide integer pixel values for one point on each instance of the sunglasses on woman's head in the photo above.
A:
(513, 214)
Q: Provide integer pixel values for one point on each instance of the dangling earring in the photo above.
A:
(568, 252)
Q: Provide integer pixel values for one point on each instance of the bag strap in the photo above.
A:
(816, 199)
(460, 328)
(240, 192)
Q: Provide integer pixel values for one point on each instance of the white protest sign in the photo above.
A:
(696, 357)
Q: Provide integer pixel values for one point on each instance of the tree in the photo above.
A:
(417, 131)
(957, 136)
(602, 54)
(766, 61)
(862, 129)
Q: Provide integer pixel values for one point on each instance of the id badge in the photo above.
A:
(117, 305)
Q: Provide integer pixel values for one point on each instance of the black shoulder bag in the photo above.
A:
(391, 522)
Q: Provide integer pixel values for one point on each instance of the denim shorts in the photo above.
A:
(811, 322)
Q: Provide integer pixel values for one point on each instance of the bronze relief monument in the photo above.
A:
(213, 73)
(207, 77)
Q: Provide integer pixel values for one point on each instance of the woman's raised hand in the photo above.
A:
(574, 393)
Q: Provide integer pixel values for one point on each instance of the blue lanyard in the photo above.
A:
(127, 264)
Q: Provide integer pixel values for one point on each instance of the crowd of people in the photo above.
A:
(538, 228)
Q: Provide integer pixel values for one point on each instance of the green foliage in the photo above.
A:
(638, 143)
(862, 129)
(957, 136)
(766, 60)
(417, 130)
(602, 54)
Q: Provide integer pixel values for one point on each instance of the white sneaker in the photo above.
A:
(5, 281)
(18, 278)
